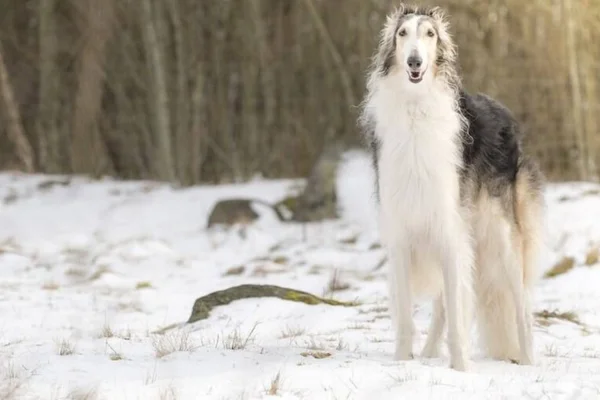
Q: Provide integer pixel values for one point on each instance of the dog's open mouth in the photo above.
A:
(415, 76)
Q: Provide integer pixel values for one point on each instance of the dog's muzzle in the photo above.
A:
(415, 74)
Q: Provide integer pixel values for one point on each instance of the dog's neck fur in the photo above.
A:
(425, 112)
(418, 128)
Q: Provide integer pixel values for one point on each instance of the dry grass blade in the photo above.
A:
(237, 341)
(336, 284)
(83, 394)
(545, 317)
(592, 257)
(234, 271)
(292, 332)
(107, 331)
(316, 354)
(562, 267)
(169, 393)
(11, 382)
(143, 285)
(275, 385)
(172, 342)
(65, 347)
(114, 355)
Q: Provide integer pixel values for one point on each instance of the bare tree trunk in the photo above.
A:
(48, 135)
(577, 110)
(14, 128)
(267, 72)
(335, 54)
(88, 153)
(249, 76)
(162, 160)
(199, 131)
(590, 78)
(181, 107)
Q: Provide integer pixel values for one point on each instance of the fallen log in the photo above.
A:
(205, 304)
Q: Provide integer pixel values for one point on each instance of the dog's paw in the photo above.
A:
(461, 364)
(403, 354)
(404, 349)
(430, 351)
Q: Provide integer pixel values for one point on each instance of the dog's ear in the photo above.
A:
(405, 9)
(400, 11)
(436, 13)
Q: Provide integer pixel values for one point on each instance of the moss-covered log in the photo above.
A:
(205, 304)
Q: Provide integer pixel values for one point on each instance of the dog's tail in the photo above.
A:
(529, 208)
(506, 309)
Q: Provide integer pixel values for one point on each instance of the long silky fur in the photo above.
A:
(446, 62)
(501, 205)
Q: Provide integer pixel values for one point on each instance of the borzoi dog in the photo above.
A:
(460, 204)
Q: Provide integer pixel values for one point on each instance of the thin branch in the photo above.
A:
(335, 54)
(16, 134)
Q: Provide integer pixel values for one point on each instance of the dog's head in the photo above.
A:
(416, 44)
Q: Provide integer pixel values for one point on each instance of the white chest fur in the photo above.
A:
(419, 158)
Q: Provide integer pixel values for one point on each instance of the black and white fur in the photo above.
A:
(460, 204)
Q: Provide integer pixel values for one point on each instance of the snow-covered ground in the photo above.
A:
(90, 269)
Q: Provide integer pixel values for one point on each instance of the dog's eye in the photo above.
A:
(402, 32)
(430, 33)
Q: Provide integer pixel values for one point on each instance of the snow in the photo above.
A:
(89, 270)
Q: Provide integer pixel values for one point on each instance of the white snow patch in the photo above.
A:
(355, 186)
(91, 269)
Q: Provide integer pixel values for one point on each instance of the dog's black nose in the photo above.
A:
(415, 62)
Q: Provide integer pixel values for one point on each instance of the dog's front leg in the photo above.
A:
(457, 258)
(401, 301)
(436, 329)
